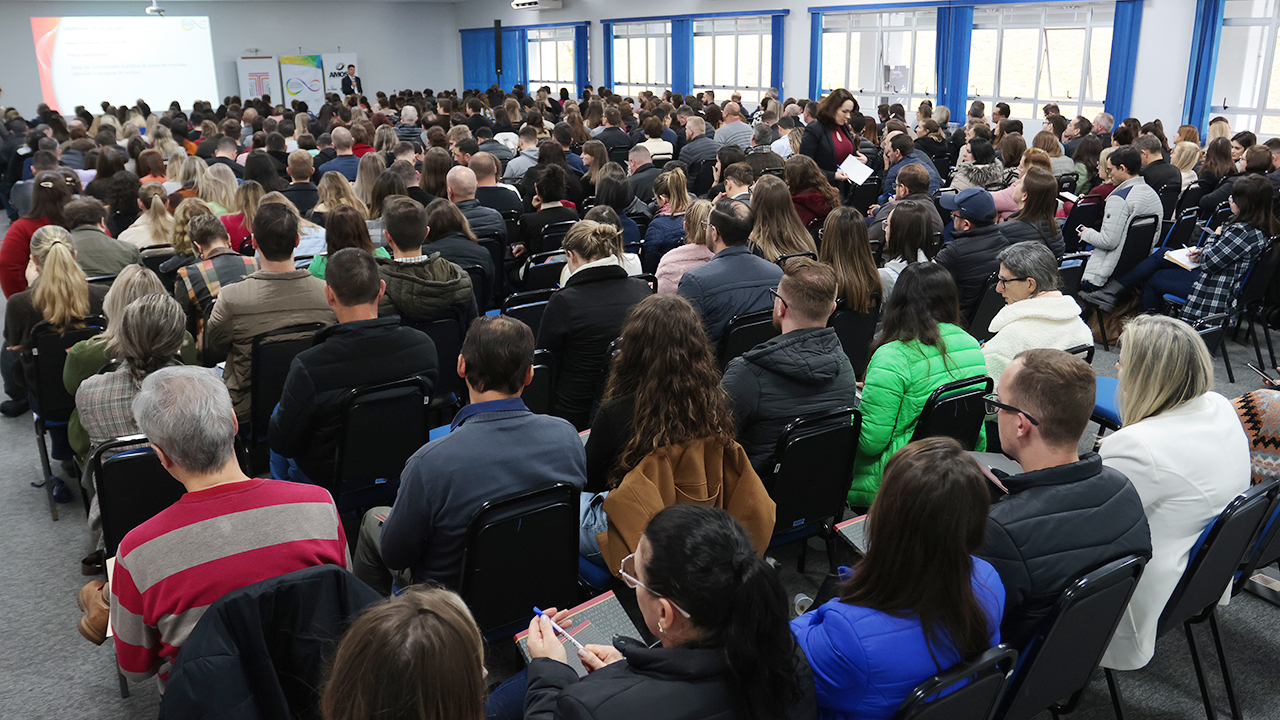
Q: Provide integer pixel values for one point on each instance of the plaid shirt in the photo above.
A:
(199, 283)
(1223, 267)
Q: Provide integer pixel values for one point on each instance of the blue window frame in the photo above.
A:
(555, 54)
(1246, 81)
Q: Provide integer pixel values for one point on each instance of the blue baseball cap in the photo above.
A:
(972, 203)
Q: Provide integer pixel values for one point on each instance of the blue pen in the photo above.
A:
(558, 629)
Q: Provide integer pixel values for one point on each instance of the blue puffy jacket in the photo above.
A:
(866, 662)
(666, 232)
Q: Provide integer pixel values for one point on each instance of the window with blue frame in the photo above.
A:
(1246, 85)
(1031, 55)
(880, 57)
(642, 57)
(733, 54)
(551, 59)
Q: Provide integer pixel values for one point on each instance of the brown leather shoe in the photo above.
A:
(93, 602)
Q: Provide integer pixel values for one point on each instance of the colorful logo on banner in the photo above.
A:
(193, 23)
(297, 86)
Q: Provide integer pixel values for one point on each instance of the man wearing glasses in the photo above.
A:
(971, 256)
(1065, 514)
(913, 184)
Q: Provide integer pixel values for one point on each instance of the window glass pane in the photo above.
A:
(1249, 9)
(564, 59)
(621, 61)
(1270, 125)
(1018, 63)
(638, 64)
(982, 63)
(766, 60)
(703, 60)
(1065, 63)
(1026, 111)
(725, 59)
(835, 55)
(1099, 63)
(548, 60)
(923, 81)
(724, 26)
(1237, 80)
(749, 61)
(1273, 93)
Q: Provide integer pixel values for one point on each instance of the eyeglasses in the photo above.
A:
(630, 579)
(774, 292)
(1006, 281)
(706, 223)
(994, 404)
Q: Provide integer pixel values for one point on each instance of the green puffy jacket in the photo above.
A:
(899, 380)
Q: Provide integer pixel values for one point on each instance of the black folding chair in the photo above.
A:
(132, 487)
(1265, 553)
(538, 394)
(1251, 300)
(1071, 273)
(1084, 352)
(381, 427)
(865, 195)
(480, 286)
(522, 551)
(1069, 643)
(270, 356)
(496, 257)
(553, 234)
(1067, 183)
(1087, 212)
(528, 307)
(512, 220)
(1184, 227)
(1209, 573)
(542, 271)
(856, 330)
(42, 363)
(986, 309)
(985, 678)
(446, 332)
(1213, 330)
(1139, 238)
(1218, 216)
(1195, 192)
(1169, 199)
(956, 410)
(103, 280)
(745, 332)
(809, 476)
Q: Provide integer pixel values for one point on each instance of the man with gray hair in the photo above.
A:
(407, 129)
(760, 156)
(1102, 124)
(228, 531)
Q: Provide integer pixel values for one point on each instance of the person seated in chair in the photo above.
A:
(802, 371)
(198, 284)
(971, 256)
(1065, 514)
(277, 296)
(97, 253)
(419, 287)
(1131, 198)
(361, 350)
(496, 447)
(228, 531)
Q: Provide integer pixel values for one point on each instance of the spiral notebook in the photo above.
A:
(595, 622)
(854, 532)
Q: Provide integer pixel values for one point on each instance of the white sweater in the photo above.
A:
(1051, 320)
(1187, 463)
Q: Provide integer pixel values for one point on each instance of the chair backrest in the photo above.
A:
(1266, 551)
(986, 309)
(496, 256)
(745, 332)
(1071, 272)
(864, 195)
(48, 355)
(528, 306)
(447, 332)
(1184, 226)
(537, 395)
(1193, 194)
(1067, 182)
(103, 280)
(1169, 198)
(856, 330)
(702, 173)
(1084, 351)
(542, 271)
(956, 410)
(1087, 212)
(1219, 215)
(984, 679)
(553, 234)
(480, 287)
(381, 426)
(641, 220)
(812, 467)
(522, 551)
(1254, 287)
(1069, 643)
(1217, 558)
(619, 154)
(132, 487)
(270, 356)
(1138, 241)
(512, 220)
(1212, 329)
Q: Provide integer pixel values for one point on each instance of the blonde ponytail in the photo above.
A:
(153, 198)
(62, 294)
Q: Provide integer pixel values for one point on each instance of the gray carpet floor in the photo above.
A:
(49, 671)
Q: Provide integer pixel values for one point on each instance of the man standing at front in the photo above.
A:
(496, 447)
(351, 84)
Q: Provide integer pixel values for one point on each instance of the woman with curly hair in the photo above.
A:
(811, 194)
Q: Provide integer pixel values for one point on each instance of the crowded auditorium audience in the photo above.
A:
(633, 300)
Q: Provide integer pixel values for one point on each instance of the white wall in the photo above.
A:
(1160, 78)
(399, 44)
(1164, 57)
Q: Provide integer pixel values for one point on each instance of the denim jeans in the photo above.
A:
(592, 521)
(1159, 277)
(506, 702)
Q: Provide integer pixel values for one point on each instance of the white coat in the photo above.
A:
(1187, 464)
(1045, 321)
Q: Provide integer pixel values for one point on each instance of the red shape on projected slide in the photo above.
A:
(44, 30)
